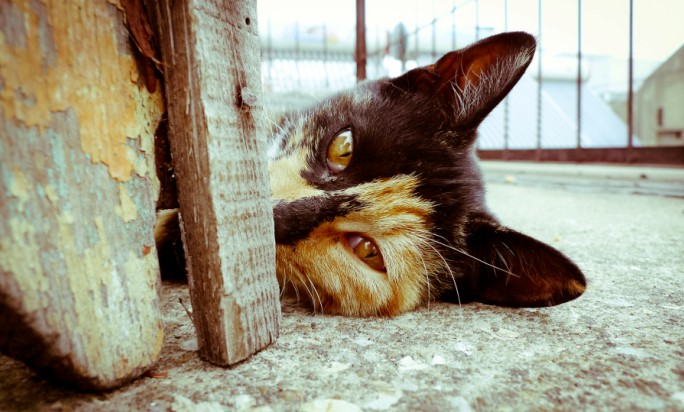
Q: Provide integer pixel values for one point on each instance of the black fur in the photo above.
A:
(295, 220)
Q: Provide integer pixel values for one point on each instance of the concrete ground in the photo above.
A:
(618, 347)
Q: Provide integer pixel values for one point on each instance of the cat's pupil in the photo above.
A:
(367, 251)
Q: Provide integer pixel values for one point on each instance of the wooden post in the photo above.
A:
(218, 144)
(79, 274)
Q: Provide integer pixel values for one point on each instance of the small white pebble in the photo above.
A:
(244, 401)
(462, 347)
(330, 405)
(407, 364)
(190, 345)
(678, 396)
(460, 404)
(337, 367)
(438, 360)
(363, 341)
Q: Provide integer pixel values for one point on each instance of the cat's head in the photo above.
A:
(378, 201)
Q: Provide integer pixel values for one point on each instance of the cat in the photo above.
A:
(379, 202)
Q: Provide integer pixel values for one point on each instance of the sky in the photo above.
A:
(658, 28)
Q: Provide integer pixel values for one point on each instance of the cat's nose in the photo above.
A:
(292, 221)
(295, 220)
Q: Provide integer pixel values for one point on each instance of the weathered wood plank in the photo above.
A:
(217, 132)
(79, 276)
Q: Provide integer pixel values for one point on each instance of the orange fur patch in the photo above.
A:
(286, 180)
(324, 270)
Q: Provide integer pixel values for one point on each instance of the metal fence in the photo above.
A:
(576, 105)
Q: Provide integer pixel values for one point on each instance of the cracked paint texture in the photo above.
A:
(47, 66)
(77, 193)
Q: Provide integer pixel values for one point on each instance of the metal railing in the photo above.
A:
(570, 118)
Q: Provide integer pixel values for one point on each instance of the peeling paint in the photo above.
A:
(21, 250)
(52, 195)
(127, 210)
(48, 68)
(11, 25)
(77, 192)
(20, 187)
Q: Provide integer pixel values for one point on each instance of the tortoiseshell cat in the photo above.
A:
(379, 202)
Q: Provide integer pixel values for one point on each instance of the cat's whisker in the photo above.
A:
(427, 280)
(463, 252)
(296, 289)
(426, 239)
(509, 249)
(320, 302)
(283, 286)
(282, 289)
(304, 279)
(451, 274)
(311, 296)
(504, 261)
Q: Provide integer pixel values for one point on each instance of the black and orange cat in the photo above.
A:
(379, 202)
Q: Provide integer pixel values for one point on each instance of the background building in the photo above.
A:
(659, 104)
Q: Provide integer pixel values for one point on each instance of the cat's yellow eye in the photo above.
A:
(340, 151)
(366, 250)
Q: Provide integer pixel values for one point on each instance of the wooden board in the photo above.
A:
(79, 275)
(210, 51)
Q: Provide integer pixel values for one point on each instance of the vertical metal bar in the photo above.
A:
(505, 15)
(325, 56)
(376, 52)
(416, 33)
(269, 53)
(630, 92)
(403, 46)
(539, 81)
(453, 25)
(434, 32)
(477, 20)
(506, 108)
(297, 56)
(477, 37)
(579, 74)
(360, 40)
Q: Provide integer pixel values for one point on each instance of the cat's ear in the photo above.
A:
(519, 271)
(475, 79)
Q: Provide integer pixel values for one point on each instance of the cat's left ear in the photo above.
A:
(513, 269)
(475, 79)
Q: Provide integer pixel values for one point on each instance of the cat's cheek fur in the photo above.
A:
(286, 180)
(324, 271)
(335, 282)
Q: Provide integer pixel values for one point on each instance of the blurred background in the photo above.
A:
(607, 83)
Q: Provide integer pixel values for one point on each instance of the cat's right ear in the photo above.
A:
(475, 79)
(513, 269)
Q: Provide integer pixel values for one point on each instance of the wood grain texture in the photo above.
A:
(79, 276)
(217, 132)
